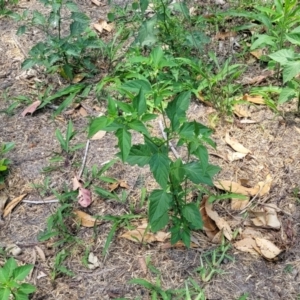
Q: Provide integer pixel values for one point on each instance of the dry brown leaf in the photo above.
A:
(143, 265)
(247, 245)
(3, 199)
(85, 219)
(234, 187)
(83, 112)
(254, 99)
(78, 77)
(250, 232)
(209, 226)
(267, 217)
(115, 185)
(267, 248)
(103, 25)
(40, 253)
(144, 235)
(241, 111)
(239, 204)
(12, 204)
(224, 35)
(264, 186)
(233, 156)
(234, 144)
(96, 2)
(31, 108)
(220, 222)
(257, 53)
(99, 135)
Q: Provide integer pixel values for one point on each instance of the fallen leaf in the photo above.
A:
(96, 2)
(93, 261)
(3, 199)
(99, 135)
(254, 99)
(78, 77)
(264, 186)
(103, 25)
(266, 217)
(142, 263)
(234, 144)
(120, 183)
(31, 108)
(257, 53)
(247, 245)
(239, 204)
(250, 232)
(76, 183)
(209, 226)
(12, 204)
(84, 197)
(233, 156)
(235, 187)
(220, 222)
(241, 111)
(83, 112)
(13, 249)
(267, 248)
(224, 35)
(85, 219)
(40, 253)
(141, 234)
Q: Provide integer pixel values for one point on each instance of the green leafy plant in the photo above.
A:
(4, 4)
(213, 260)
(4, 162)
(68, 53)
(153, 90)
(11, 277)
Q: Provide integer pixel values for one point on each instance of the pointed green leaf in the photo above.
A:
(124, 142)
(27, 288)
(138, 126)
(97, 125)
(9, 266)
(177, 171)
(159, 223)
(4, 293)
(283, 56)
(159, 204)
(291, 70)
(139, 102)
(160, 167)
(191, 213)
(61, 140)
(186, 237)
(202, 153)
(139, 154)
(135, 85)
(21, 272)
(287, 94)
(195, 173)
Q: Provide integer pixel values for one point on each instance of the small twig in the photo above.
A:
(84, 158)
(161, 126)
(41, 201)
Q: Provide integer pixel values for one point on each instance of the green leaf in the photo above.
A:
(287, 94)
(28, 63)
(98, 124)
(139, 102)
(195, 173)
(294, 38)
(176, 109)
(27, 288)
(147, 35)
(124, 142)
(104, 193)
(160, 202)
(186, 237)
(138, 126)
(4, 293)
(262, 40)
(21, 272)
(20, 296)
(61, 140)
(9, 266)
(202, 153)
(21, 30)
(148, 117)
(160, 167)
(135, 85)
(156, 55)
(72, 6)
(64, 104)
(143, 283)
(283, 56)
(175, 234)
(191, 213)
(177, 171)
(77, 28)
(139, 154)
(291, 70)
(4, 274)
(144, 5)
(80, 17)
(38, 18)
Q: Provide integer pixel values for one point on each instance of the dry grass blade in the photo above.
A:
(12, 204)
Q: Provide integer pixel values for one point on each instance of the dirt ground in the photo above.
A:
(274, 141)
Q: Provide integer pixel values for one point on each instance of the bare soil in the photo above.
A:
(274, 142)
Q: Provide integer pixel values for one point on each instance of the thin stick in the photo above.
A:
(161, 126)
(41, 201)
(84, 158)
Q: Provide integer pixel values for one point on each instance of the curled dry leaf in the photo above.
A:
(103, 25)
(267, 217)
(85, 219)
(235, 145)
(267, 249)
(246, 245)
(31, 108)
(99, 135)
(142, 263)
(220, 223)
(254, 99)
(84, 197)
(264, 186)
(12, 204)
(40, 252)
(239, 204)
(119, 183)
(235, 187)
(141, 234)
(241, 111)
(233, 156)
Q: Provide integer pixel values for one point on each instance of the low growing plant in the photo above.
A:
(169, 203)
(4, 162)
(11, 281)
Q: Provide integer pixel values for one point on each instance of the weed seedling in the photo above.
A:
(11, 277)
(4, 162)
